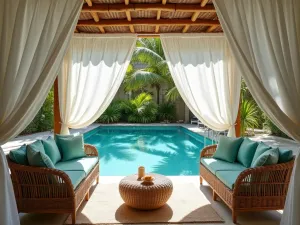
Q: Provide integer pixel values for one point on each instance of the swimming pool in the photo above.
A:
(168, 150)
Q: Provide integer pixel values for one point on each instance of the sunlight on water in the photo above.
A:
(171, 151)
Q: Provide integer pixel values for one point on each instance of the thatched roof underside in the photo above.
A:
(148, 17)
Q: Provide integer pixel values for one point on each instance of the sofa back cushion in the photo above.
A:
(19, 156)
(36, 146)
(39, 159)
(71, 147)
(285, 155)
(51, 149)
(261, 148)
(246, 152)
(228, 148)
(270, 157)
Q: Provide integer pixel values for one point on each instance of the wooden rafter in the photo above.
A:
(158, 15)
(151, 22)
(101, 29)
(93, 14)
(170, 7)
(211, 28)
(203, 3)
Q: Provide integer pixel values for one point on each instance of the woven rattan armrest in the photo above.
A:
(90, 150)
(252, 181)
(33, 177)
(208, 151)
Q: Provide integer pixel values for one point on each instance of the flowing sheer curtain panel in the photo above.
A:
(34, 36)
(264, 36)
(92, 72)
(206, 77)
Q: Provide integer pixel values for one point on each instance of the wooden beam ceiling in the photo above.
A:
(151, 22)
(148, 7)
(199, 12)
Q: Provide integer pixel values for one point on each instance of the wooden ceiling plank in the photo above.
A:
(131, 28)
(93, 14)
(156, 28)
(148, 7)
(164, 2)
(126, 2)
(195, 16)
(203, 3)
(101, 29)
(185, 29)
(211, 29)
(151, 22)
(89, 2)
(158, 14)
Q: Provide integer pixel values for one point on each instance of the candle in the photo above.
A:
(141, 172)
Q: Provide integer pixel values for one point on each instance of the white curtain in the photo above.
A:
(34, 36)
(206, 77)
(264, 36)
(92, 72)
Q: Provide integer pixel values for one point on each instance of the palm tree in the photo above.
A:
(155, 72)
(249, 114)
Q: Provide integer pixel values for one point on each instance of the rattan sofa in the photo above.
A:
(255, 189)
(45, 190)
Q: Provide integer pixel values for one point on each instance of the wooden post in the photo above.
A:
(238, 123)
(57, 121)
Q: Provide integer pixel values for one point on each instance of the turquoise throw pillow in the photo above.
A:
(285, 155)
(71, 147)
(246, 152)
(39, 159)
(51, 149)
(19, 156)
(36, 146)
(261, 148)
(269, 157)
(228, 148)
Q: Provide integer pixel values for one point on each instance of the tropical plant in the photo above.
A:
(43, 121)
(248, 112)
(154, 72)
(141, 109)
(167, 111)
(112, 114)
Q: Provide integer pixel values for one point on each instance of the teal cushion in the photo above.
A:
(40, 159)
(285, 155)
(269, 157)
(214, 165)
(51, 149)
(71, 147)
(228, 177)
(261, 148)
(246, 152)
(85, 164)
(36, 146)
(76, 177)
(19, 156)
(228, 148)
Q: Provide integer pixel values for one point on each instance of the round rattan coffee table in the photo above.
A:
(140, 195)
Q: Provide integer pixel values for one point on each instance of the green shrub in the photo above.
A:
(112, 114)
(166, 111)
(141, 109)
(43, 121)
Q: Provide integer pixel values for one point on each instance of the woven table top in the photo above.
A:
(159, 181)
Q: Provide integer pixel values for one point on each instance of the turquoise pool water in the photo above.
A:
(171, 151)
